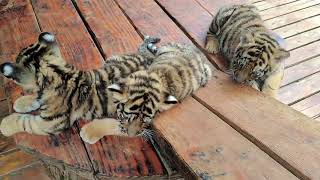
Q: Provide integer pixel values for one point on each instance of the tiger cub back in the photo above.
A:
(253, 53)
(177, 71)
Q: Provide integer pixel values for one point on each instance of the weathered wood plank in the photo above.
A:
(285, 134)
(299, 71)
(14, 161)
(7, 144)
(288, 8)
(303, 39)
(4, 108)
(299, 55)
(115, 156)
(19, 28)
(263, 5)
(207, 152)
(299, 89)
(299, 27)
(213, 6)
(293, 17)
(32, 172)
(309, 106)
(194, 28)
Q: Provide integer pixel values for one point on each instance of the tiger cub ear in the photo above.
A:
(281, 54)
(115, 88)
(171, 100)
(47, 38)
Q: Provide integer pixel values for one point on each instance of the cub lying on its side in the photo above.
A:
(176, 72)
(62, 93)
(253, 53)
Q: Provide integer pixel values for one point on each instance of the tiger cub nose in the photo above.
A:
(6, 69)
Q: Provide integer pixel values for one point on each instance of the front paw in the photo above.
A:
(89, 134)
(10, 124)
(26, 104)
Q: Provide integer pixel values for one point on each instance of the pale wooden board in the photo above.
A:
(299, 27)
(299, 55)
(301, 70)
(300, 89)
(288, 8)
(293, 17)
(309, 106)
(267, 4)
(285, 134)
(303, 39)
(212, 149)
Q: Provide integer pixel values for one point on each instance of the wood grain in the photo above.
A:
(309, 106)
(7, 144)
(285, 134)
(288, 8)
(268, 4)
(299, 71)
(32, 172)
(14, 161)
(115, 156)
(164, 26)
(303, 39)
(299, 27)
(213, 150)
(300, 89)
(293, 17)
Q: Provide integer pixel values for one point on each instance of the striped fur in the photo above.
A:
(62, 93)
(177, 71)
(253, 53)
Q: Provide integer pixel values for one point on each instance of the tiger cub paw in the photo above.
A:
(26, 104)
(9, 125)
(212, 45)
(89, 134)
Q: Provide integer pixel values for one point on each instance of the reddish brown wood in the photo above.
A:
(115, 156)
(299, 89)
(6, 144)
(213, 6)
(14, 161)
(32, 172)
(285, 134)
(292, 17)
(309, 106)
(288, 8)
(210, 148)
(299, 71)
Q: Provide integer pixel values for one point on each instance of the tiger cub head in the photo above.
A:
(28, 62)
(139, 98)
(256, 57)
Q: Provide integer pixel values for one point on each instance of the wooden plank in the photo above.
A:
(309, 106)
(213, 6)
(4, 108)
(33, 172)
(299, 55)
(14, 161)
(115, 156)
(2, 90)
(299, 89)
(263, 5)
(301, 70)
(194, 28)
(285, 134)
(303, 39)
(206, 151)
(288, 8)
(293, 17)
(7, 144)
(299, 27)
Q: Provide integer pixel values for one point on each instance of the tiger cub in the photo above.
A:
(253, 53)
(176, 72)
(62, 93)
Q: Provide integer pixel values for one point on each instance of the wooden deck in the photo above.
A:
(237, 133)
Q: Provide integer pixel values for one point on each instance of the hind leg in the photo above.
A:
(96, 129)
(25, 104)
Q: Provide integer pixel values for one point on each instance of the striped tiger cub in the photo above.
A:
(176, 72)
(253, 53)
(62, 93)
